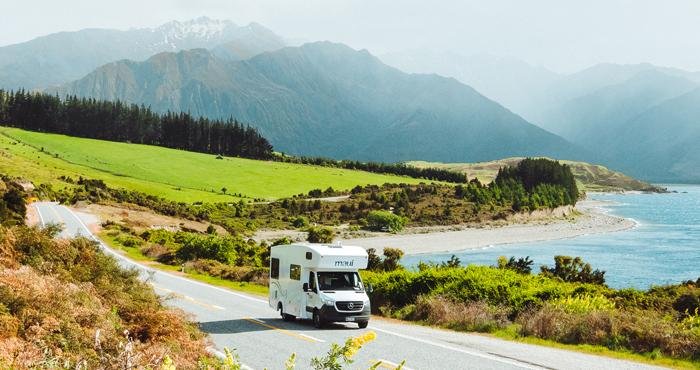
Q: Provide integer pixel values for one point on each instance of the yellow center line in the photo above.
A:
(385, 364)
(283, 331)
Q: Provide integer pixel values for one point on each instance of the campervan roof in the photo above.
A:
(334, 249)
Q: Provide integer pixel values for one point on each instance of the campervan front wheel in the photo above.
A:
(363, 324)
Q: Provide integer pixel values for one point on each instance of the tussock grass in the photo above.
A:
(66, 304)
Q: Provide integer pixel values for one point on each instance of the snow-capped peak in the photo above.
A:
(201, 28)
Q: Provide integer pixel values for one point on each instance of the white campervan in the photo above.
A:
(319, 282)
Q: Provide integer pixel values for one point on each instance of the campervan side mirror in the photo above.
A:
(370, 288)
(305, 287)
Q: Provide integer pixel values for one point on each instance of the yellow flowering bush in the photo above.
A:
(338, 356)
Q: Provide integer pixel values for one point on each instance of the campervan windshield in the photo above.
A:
(337, 280)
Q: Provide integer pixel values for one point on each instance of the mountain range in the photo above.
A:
(638, 118)
(326, 99)
(66, 56)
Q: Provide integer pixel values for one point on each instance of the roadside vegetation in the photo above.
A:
(65, 304)
(566, 303)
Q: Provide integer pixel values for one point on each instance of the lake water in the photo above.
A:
(663, 248)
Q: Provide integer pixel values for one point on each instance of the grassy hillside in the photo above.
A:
(590, 177)
(173, 174)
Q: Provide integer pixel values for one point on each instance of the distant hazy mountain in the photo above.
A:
(628, 114)
(513, 83)
(62, 57)
(662, 143)
(588, 118)
(248, 42)
(606, 109)
(328, 99)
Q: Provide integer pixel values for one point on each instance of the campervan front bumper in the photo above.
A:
(330, 313)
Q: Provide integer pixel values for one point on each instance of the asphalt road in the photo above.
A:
(262, 340)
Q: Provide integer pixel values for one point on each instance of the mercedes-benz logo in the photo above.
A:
(351, 305)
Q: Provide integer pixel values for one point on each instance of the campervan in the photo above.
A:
(319, 282)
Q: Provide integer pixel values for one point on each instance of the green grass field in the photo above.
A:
(173, 174)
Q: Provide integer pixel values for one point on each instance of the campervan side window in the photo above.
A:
(275, 268)
(295, 272)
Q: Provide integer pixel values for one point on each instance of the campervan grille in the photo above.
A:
(349, 305)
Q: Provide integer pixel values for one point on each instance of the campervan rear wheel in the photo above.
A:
(318, 321)
(286, 317)
(363, 324)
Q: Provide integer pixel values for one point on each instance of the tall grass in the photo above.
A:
(66, 304)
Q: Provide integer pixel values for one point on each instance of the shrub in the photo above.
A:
(129, 241)
(574, 269)
(234, 273)
(374, 262)
(642, 331)
(158, 252)
(320, 235)
(300, 222)
(453, 262)
(468, 316)
(521, 265)
(583, 304)
(497, 287)
(222, 249)
(385, 221)
(392, 257)
(687, 304)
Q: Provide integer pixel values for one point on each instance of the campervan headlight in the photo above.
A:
(327, 301)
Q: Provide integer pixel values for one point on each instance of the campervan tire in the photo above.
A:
(285, 316)
(363, 324)
(318, 321)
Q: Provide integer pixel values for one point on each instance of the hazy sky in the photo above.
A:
(559, 34)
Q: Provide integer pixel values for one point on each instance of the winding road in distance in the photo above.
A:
(246, 323)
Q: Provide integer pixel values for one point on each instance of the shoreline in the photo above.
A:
(594, 219)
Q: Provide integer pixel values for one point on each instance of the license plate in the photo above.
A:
(349, 319)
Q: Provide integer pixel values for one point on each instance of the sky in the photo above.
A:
(564, 36)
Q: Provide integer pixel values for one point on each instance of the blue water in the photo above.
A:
(663, 249)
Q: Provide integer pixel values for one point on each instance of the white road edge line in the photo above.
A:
(41, 218)
(158, 271)
(462, 350)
